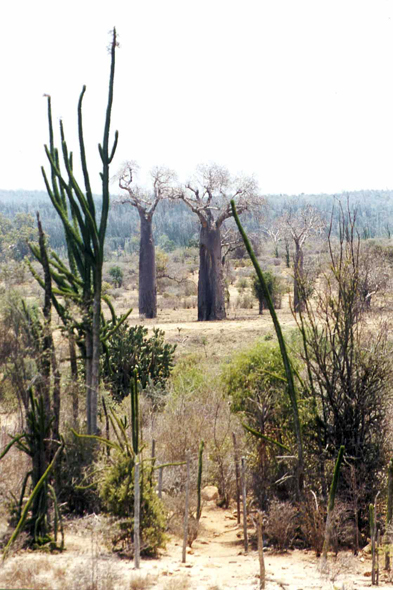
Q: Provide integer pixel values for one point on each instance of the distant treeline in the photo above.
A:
(176, 226)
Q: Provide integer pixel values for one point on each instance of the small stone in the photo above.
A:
(209, 493)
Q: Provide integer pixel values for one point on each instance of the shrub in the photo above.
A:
(116, 490)
(117, 275)
(255, 382)
(75, 493)
(131, 349)
(280, 527)
(275, 290)
(242, 284)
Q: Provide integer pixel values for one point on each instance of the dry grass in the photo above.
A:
(28, 574)
(182, 583)
(141, 582)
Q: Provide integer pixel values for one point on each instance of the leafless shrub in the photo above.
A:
(312, 523)
(281, 524)
(175, 510)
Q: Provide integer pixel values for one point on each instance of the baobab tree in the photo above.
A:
(146, 202)
(208, 195)
(300, 225)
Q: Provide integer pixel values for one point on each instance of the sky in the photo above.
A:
(297, 92)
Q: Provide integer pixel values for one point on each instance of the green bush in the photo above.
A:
(275, 290)
(117, 275)
(131, 349)
(116, 490)
(256, 385)
(75, 493)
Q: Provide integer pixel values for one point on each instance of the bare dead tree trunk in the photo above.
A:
(211, 297)
(147, 268)
(298, 298)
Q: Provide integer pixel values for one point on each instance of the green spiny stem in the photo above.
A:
(176, 464)
(265, 438)
(99, 439)
(30, 501)
(332, 496)
(10, 444)
(135, 413)
(284, 353)
(389, 514)
(199, 481)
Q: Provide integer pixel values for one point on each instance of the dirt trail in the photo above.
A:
(216, 561)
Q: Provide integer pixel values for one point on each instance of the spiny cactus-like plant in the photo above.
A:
(389, 514)
(33, 516)
(289, 372)
(85, 235)
(199, 481)
(119, 482)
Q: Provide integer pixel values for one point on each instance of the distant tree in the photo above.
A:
(273, 285)
(146, 202)
(117, 275)
(300, 225)
(275, 233)
(208, 195)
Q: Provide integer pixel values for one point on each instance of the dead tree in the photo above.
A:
(208, 195)
(300, 225)
(146, 202)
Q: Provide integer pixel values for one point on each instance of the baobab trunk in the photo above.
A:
(147, 269)
(298, 284)
(211, 299)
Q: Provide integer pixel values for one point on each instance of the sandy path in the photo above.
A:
(215, 562)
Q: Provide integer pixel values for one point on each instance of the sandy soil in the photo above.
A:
(216, 561)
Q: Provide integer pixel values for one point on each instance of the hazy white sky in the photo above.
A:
(299, 92)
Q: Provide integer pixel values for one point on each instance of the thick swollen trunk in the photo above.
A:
(211, 298)
(298, 285)
(147, 269)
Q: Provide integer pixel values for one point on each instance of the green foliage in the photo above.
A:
(130, 349)
(34, 516)
(256, 383)
(166, 244)
(117, 275)
(161, 262)
(76, 465)
(115, 482)
(274, 287)
(116, 490)
(15, 235)
(289, 373)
